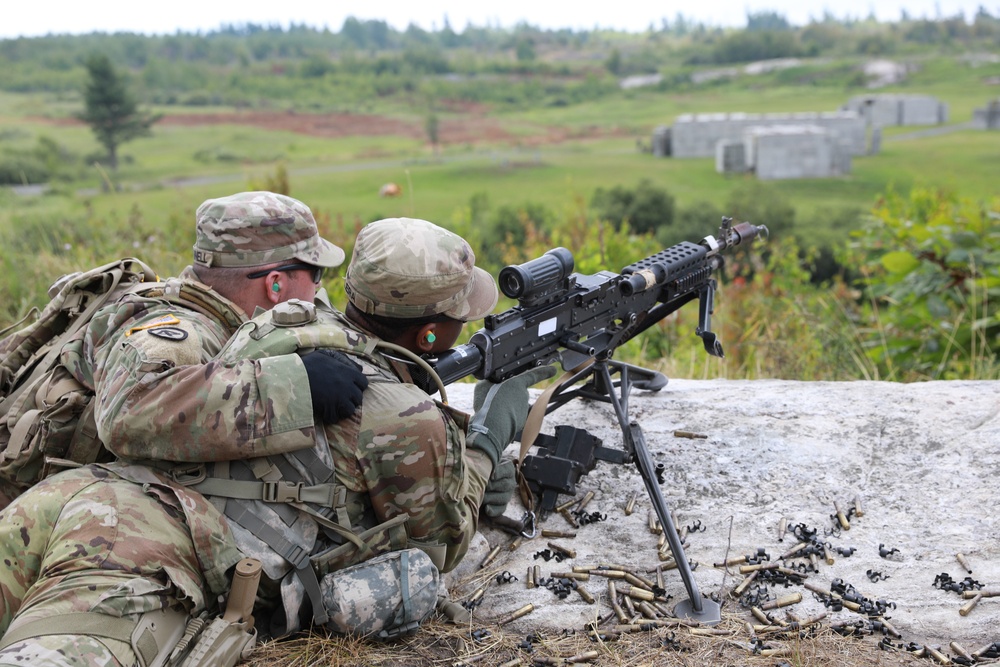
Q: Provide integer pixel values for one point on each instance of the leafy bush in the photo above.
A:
(929, 268)
(645, 209)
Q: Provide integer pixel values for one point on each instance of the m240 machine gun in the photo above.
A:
(579, 321)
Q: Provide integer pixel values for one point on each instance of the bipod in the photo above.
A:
(599, 385)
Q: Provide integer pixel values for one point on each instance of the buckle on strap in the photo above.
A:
(188, 474)
(282, 491)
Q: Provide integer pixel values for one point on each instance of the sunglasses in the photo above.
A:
(316, 275)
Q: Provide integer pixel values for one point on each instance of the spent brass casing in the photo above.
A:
(960, 650)
(858, 510)
(691, 435)
(637, 593)
(960, 557)
(579, 576)
(529, 581)
(608, 574)
(494, 552)
(970, 605)
(646, 610)
(776, 652)
(477, 595)
(585, 594)
(587, 497)
(812, 620)
(759, 614)
(783, 601)
(827, 555)
(746, 569)
(889, 628)
(793, 550)
(682, 533)
(782, 528)
(660, 581)
(570, 519)
(546, 532)
(985, 592)
(515, 543)
(630, 504)
(814, 561)
(566, 505)
(743, 585)
(536, 574)
(523, 611)
(653, 523)
(938, 656)
(615, 566)
(662, 541)
(584, 568)
(516, 662)
(710, 632)
(666, 559)
(619, 612)
(636, 580)
(586, 656)
(569, 553)
(629, 607)
(731, 561)
(841, 517)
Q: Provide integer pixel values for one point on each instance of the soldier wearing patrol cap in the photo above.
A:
(159, 395)
(404, 456)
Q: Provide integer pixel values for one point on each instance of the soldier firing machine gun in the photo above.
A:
(579, 321)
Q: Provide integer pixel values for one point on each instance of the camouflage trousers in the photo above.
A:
(386, 597)
(60, 651)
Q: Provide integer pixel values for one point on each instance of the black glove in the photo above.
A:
(500, 410)
(336, 384)
(500, 489)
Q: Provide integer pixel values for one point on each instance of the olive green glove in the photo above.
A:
(500, 410)
(500, 489)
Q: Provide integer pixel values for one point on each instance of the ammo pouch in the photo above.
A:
(386, 597)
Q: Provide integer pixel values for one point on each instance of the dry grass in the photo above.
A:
(440, 643)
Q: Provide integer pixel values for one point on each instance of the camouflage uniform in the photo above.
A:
(403, 453)
(159, 394)
(113, 540)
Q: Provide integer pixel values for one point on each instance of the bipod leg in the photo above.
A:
(708, 612)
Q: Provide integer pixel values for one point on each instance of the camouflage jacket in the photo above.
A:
(402, 452)
(110, 538)
(160, 395)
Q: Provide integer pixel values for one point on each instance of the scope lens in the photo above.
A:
(511, 282)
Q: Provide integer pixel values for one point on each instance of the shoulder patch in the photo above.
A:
(169, 333)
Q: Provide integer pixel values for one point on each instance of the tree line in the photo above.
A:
(173, 68)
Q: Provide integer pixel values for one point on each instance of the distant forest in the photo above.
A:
(369, 62)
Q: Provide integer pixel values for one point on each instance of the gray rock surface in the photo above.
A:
(922, 458)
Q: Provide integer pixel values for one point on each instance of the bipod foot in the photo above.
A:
(710, 614)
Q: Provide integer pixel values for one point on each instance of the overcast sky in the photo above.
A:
(40, 17)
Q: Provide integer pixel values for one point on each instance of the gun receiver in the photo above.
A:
(570, 318)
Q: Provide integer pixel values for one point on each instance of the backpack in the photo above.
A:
(46, 415)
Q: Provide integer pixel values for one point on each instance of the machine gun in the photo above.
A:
(579, 321)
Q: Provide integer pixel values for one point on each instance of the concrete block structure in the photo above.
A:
(794, 151)
(988, 117)
(696, 135)
(884, 110)
(730, 157)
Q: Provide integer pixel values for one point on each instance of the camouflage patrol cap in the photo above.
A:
(255, 228)
(408, 268)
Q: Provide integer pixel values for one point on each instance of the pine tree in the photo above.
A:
(110, 109)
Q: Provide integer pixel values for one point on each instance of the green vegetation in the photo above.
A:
(522, 139)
